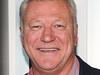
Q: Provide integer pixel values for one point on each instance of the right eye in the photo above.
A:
(35, 26)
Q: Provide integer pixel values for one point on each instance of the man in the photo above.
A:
(49, 37)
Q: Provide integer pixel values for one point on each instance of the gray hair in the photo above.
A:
(71, 3)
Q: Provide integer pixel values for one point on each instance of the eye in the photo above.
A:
(59, 26)
(35, 26)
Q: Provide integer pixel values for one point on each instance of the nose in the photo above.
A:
(48, 35)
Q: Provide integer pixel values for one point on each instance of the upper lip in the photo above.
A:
(48, 49)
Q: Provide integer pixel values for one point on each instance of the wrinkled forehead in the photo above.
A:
(47, 7)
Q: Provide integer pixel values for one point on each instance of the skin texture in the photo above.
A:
(49, 37)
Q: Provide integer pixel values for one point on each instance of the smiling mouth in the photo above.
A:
(48, 50)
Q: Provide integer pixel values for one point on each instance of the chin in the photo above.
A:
(47, 67)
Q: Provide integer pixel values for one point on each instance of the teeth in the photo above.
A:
(48, 49)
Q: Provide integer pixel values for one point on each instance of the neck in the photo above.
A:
(65, 70)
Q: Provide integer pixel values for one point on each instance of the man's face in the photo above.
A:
(48, 35)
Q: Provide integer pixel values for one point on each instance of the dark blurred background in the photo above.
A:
(4, 38)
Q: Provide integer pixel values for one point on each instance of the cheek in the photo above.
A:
(30, 38)
(66, 39)
(29, 43)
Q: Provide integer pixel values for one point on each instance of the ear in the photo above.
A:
(21, 29)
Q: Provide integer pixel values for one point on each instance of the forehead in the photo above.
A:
(37, 8)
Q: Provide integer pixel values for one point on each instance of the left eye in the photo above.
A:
(59, 26)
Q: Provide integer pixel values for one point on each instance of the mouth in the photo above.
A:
(48, 50)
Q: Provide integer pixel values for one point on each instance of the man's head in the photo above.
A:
(49, 33)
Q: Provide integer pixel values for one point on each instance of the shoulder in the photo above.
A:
(86, 69)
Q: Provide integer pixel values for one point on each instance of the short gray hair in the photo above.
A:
(71, 3)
